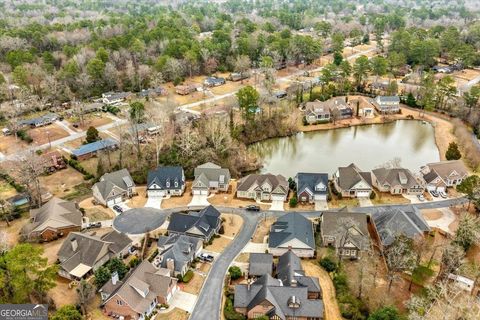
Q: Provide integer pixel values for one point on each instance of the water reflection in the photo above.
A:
(368, 146)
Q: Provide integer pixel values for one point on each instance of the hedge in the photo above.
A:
(77, 166)
(19, 188)
(188, 276)
(23, 135)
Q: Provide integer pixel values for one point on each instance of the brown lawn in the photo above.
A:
(466, 74)
(243, 257)
(218, 245)
(91, 120)
(204, 267)
(431, 214)
(182, 201)
(9, 145)
(232, 225)
(139, 200)
(94, 311)
(230, 200)
(51, 132)
(6, 190)
(387, 198)
(195, 284)
(62, 294)
(263, 229)
(61, 182)
(175, 314)
(13, 230)
(96, 212)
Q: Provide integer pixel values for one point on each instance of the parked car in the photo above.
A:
(443, 194)
(132, 250)
(252, 207)
(434, 193)
(117, 208)
(421, 197)
(206, 257)
(93, 225)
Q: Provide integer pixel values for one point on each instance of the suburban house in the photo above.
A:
(291, 295)
(396, 181)
(113, 98)
(202, 224)
(113, 187)
(138, 293)
(164, 181)
(339, 108)
(214, 81)
(153, 92)
(391, 222)
(311, 187)
(90, 150)
(54, 219)
(316, 112)
(263, 187)
(260, 264)
(177, 251)
(439, 176)
(185, 89)
(41, 121)
(345, 231)
(210, 177)
(351, 182)
(237, 76)
(53, 161)
(387, 104)
(292, 231)
(83, 253)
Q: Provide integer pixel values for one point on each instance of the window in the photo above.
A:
(176, 184)
(120, 302)
(168, 184)
(304, 199)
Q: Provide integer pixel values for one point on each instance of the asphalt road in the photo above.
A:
(209, 302)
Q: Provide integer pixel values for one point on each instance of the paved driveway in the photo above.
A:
(199, 200)
(277, 205)
(365, 202)
(139, 220)
(253, 247)
(321, 205)
(447, 218)
(183, 300)
(154, 202)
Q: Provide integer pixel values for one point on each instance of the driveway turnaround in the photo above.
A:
(139, 220)
(209, 302)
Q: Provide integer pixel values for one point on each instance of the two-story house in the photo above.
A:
(114, 187)
(263, 187)
(387, 104)
(210, 177)
(440, 175)
(351, 182)
(201, 224)
(163, 181)
(311, 187)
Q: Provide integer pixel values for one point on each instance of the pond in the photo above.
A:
(368, 146)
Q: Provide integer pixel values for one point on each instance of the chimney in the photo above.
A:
(171, 265)
(248, 285)
(115, 278)
(74, 244)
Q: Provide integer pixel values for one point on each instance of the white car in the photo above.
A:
(421, 197)
(443, 194)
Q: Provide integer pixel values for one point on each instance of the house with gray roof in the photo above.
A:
(263, 187)
(292, 231)
(352, 182)
(115, 98)
(396, 181)
(164, 181)
(311, 187)
(291, 295)
(114, 187)
(260, 264)
(438, 176)
(201, 224)
(387, 104)
(89, 150)
(137, 295)
(346, 231)
(392, 222)
(316, 112)
(210, 177)
(177, 251)
(54, 219)
(83, 253)
(40, 121)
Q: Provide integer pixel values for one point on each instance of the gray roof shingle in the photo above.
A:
(161, 175)
(206, 221)
(291, 226)
(260, 264)
(310, 181)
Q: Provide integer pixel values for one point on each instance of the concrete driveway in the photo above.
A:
(253, 247)
(321, 205)
(365, 202)
(183, 300)
(154, 202)
(277, 205)
(443, 223)
(199, 200)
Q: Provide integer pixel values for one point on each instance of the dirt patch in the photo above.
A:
(43, 135)
(175, 314)
(466, 74)
(431, 214)
(13, 231)
(263, 229)
(194, 285)
(218, 245)
(332, 311)
(232, 225)
(50, 250)
(230, 200)
(182, 201)
(9, 145)
(61, 182)
(96, 212)
(92, 120)
(204, 267)
(62, 294)
(243, 257)
(139, 200)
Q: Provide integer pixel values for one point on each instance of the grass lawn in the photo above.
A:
(232, 225)
(6, 190)
(387, 198)
(194, 285)
(175, 314)
(218, 245)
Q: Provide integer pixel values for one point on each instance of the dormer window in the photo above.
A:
(176, 184)
(167, 184)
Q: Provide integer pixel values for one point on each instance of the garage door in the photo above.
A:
(278, 197)
(156, 193)
(200, 192)
(114, 201)
(363, 194)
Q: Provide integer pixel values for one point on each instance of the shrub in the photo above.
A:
(328, 264)
(235, 272)
(188, 276)
(452, 152)
(23, 135)
(373, 195)
(293, 202)
(221, 230)
(385, 313)
(134, 262)
(77, 166)
(229, 312)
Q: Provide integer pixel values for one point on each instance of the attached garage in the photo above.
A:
(276, 197)
(363, 194)
(156, 193)
(200, 192)
(114, 201)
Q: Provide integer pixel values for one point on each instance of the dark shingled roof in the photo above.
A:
(291, 273)
(391, 222)
(291, 226)
(310, 181)
(331, 222)
(275, 180)
(205, 220)
(260, 264)
(161, 175)
(351, 175)
(180, 248)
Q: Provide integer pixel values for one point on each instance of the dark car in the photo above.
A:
(434, 193)
(94, 225)
(118, 208)
(252, 207)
